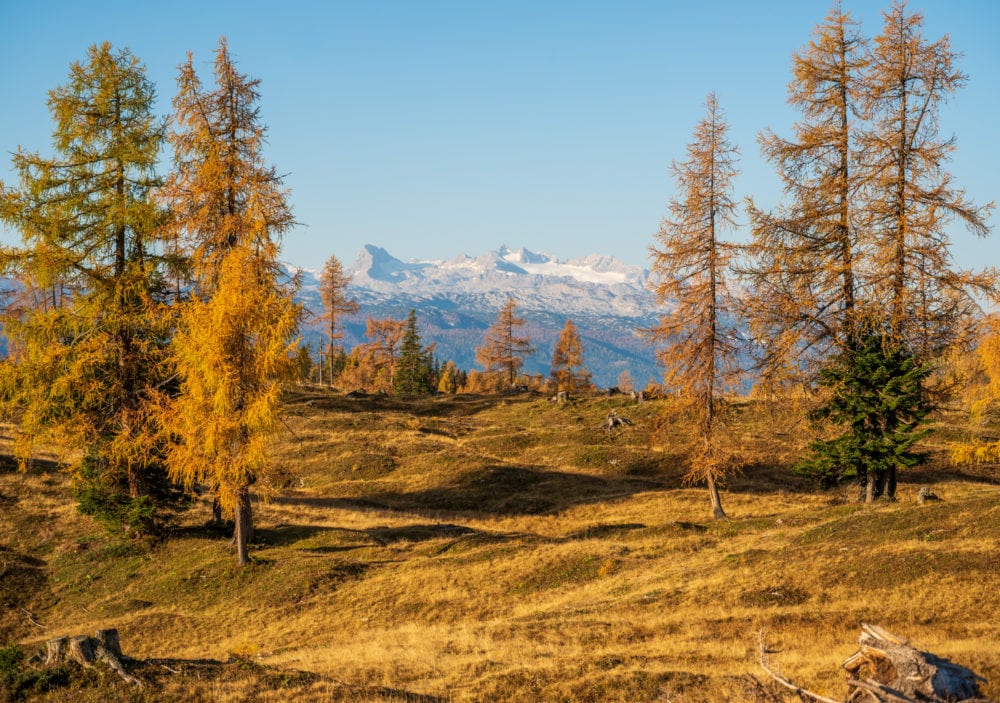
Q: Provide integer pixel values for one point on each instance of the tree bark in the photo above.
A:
(713, 491)
(244, 526)
(55, 650)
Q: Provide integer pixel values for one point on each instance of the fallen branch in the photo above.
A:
(797, 690)
(31, 619)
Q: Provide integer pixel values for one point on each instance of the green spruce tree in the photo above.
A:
(414, 367)
(876, 397)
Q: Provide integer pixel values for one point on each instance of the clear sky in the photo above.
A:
(434, 127)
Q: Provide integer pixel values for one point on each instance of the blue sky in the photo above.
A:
(433, 128)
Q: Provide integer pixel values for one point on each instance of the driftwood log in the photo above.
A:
(615, 420)
(887, 669)
(103, 648)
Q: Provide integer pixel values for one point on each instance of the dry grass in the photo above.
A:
(474, 549)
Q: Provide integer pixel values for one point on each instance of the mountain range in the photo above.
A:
(456, 300)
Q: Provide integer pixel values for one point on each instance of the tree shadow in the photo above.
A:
(22, 577)
(285, 535)
(438, 405)
(35, 466)
(494, 490)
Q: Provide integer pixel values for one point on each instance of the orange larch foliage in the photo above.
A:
(698, 344)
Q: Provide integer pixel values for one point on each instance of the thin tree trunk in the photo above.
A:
(713, 492)
(244, 526)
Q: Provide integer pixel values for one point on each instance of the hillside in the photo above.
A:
(471, 548)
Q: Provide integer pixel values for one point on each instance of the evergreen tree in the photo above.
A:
(233, 348)
(699, 349)
(336, 304)
(413, 370)
(502, 353)
(568, 371)
(876, 396)
(89, 329)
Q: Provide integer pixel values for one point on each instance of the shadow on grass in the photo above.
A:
(9, 465)
(493, 490)
(444, 405)
(22, 577)
(288, 535)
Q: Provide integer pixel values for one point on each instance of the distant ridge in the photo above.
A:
(458, 298)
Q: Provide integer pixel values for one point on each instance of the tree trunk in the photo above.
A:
(870, 487)
(713, 491)
(244, 526)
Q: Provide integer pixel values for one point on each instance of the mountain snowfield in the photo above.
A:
(457, 299)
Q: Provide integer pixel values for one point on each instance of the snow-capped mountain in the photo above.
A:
(457, 299)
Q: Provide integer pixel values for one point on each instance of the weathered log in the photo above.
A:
(615, 420)
(55, 650)
(891, 663)
(887, 669)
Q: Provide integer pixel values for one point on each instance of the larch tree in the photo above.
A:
(698, 343)
(804, 267)
(336, 304)
(910, 197)
(88, 331)
(568, 370)
(502, 353)
(237, 333)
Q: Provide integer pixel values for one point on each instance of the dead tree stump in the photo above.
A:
(887, 669)
(886, 665)
(81, 650)
(104, 648)
(55, 650)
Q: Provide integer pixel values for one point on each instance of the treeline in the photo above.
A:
(395, 361)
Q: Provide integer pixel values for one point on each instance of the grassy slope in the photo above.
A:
(470, 549)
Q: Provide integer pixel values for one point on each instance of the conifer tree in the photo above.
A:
(568, 371)
(233, 348)
(910, 197)
(502, 353)
(336, 304)
(804, 258)
(413, 370)
(88, 333)
(699, 347)
(877, 397)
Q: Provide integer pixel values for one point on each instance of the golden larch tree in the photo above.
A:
(89, 329)
(502, 353)
(568, 370)
(336, 304)
(698, 342)
(234, 347)
(803, 262)
(910, 197)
